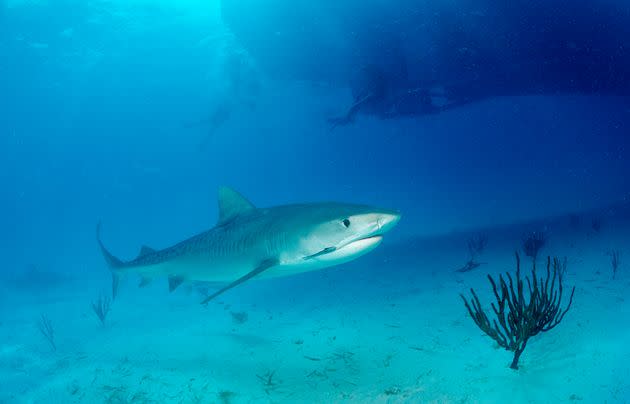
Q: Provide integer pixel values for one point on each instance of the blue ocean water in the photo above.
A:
(467, 117)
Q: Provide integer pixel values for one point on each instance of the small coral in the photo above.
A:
(532, 244)
(47, 330)
(476, 245)
(101, 308)
(615, 261)
(596, 225)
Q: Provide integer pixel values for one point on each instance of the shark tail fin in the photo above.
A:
(113, 263)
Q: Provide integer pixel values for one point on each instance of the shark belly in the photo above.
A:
(196, 268)
(342, 255)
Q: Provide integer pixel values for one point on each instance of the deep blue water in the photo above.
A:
(108, 112)
(95, 97)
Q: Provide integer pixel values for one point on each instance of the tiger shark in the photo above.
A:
(249, 242)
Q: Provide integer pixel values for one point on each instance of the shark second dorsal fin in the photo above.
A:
(232, 204)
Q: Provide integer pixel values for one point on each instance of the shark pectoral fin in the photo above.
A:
(266, 264)
(144, 250)
(325, 251)
(144, 281)
(174, 282)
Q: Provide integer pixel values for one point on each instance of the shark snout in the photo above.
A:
(386, 221)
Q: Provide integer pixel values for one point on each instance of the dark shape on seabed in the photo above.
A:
(47, 330)
(225, 396)
(239, 317)
(521, 315)
(34, 280)
(615, 261)
(470, 265)
(101, 308)
(533, 242)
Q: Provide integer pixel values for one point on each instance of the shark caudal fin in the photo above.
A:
(113, 263)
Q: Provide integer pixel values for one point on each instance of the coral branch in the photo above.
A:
(533, 243)
(47, 330)
(476, 245)
(615, 261)
(521, 315)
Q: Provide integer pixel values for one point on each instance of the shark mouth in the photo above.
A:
(353, 247)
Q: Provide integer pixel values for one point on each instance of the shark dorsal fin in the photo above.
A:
(232, 204)
(144, 250)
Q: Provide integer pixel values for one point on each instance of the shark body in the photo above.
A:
(248, 242)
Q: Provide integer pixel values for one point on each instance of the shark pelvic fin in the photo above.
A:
(174, 282)
(266, 264)
(144, 281)
(232, 204)
(144, 250)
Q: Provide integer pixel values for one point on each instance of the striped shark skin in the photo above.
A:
(249, 242)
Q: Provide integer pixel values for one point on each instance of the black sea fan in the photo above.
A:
(521, 314)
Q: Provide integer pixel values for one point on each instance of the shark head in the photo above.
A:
(248, 242)
(314, 235)
(328, 234)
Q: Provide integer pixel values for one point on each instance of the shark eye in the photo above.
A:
(346, 222)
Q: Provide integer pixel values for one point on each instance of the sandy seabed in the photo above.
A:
(389, 327)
